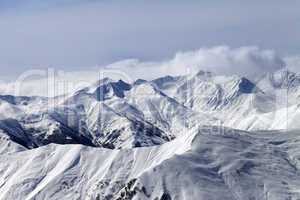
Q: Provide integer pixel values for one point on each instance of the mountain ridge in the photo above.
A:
(167, 105)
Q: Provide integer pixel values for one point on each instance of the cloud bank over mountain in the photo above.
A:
(244, 61)
(249, 61)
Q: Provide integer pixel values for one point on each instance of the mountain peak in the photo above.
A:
(110, 89)
(246, 86)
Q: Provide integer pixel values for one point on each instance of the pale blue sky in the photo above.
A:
(79, 34)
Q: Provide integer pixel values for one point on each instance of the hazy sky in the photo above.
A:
(78, 34)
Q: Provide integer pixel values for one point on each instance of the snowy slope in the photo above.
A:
(8, 146)
(208, 164)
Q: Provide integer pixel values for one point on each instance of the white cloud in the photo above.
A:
(250, 62)
(245, 61)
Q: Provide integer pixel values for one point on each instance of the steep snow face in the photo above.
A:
(216, 94)
(206, 92)
(164, 111)
(115, 125)
(228, 99)
(207, 163)
(8, 146)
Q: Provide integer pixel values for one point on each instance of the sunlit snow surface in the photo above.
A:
(206, 165)
(159, 140)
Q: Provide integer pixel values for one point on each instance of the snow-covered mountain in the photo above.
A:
(201, 165)
(84, 145)
(265, 104)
